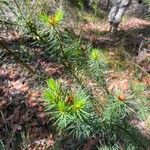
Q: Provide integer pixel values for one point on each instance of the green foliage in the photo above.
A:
(44, 17)
(69, 110)
(98, 65)
(115, 111)
(115, 147)
(73, 111)
(42, 29)
(95, 6)
(78, 3)
(53, 20)
(141, 100)
(81, 4)
(97, 60)
(138, 88)
(20, 13)
(147, 2)
(2, 145)
(57, 42)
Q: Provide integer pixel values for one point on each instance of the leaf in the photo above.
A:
(53, 19)
(62, 107)
(43, 17)
(59, 16)
(52, 84)
(2, 145)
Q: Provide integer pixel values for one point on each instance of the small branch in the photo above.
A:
(6, 22)
(140, 68)
(136, 64)
(17, 57)
(69, 66)
(140, 47)
(19, 8)
(22, 62)
(66, 63)
(4, 121)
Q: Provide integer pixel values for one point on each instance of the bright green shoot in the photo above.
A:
(67, 108)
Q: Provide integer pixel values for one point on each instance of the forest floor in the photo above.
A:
(21, 104)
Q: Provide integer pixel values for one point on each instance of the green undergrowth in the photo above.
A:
(73, 109)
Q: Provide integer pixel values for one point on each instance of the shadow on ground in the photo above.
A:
(129, 37)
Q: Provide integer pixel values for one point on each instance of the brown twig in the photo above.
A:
(4, 121)
(144, 71)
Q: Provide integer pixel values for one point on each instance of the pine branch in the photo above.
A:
(22, 62)
(16, 57)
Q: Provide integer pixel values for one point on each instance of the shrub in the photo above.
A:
(71, 111)
(2, 145)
